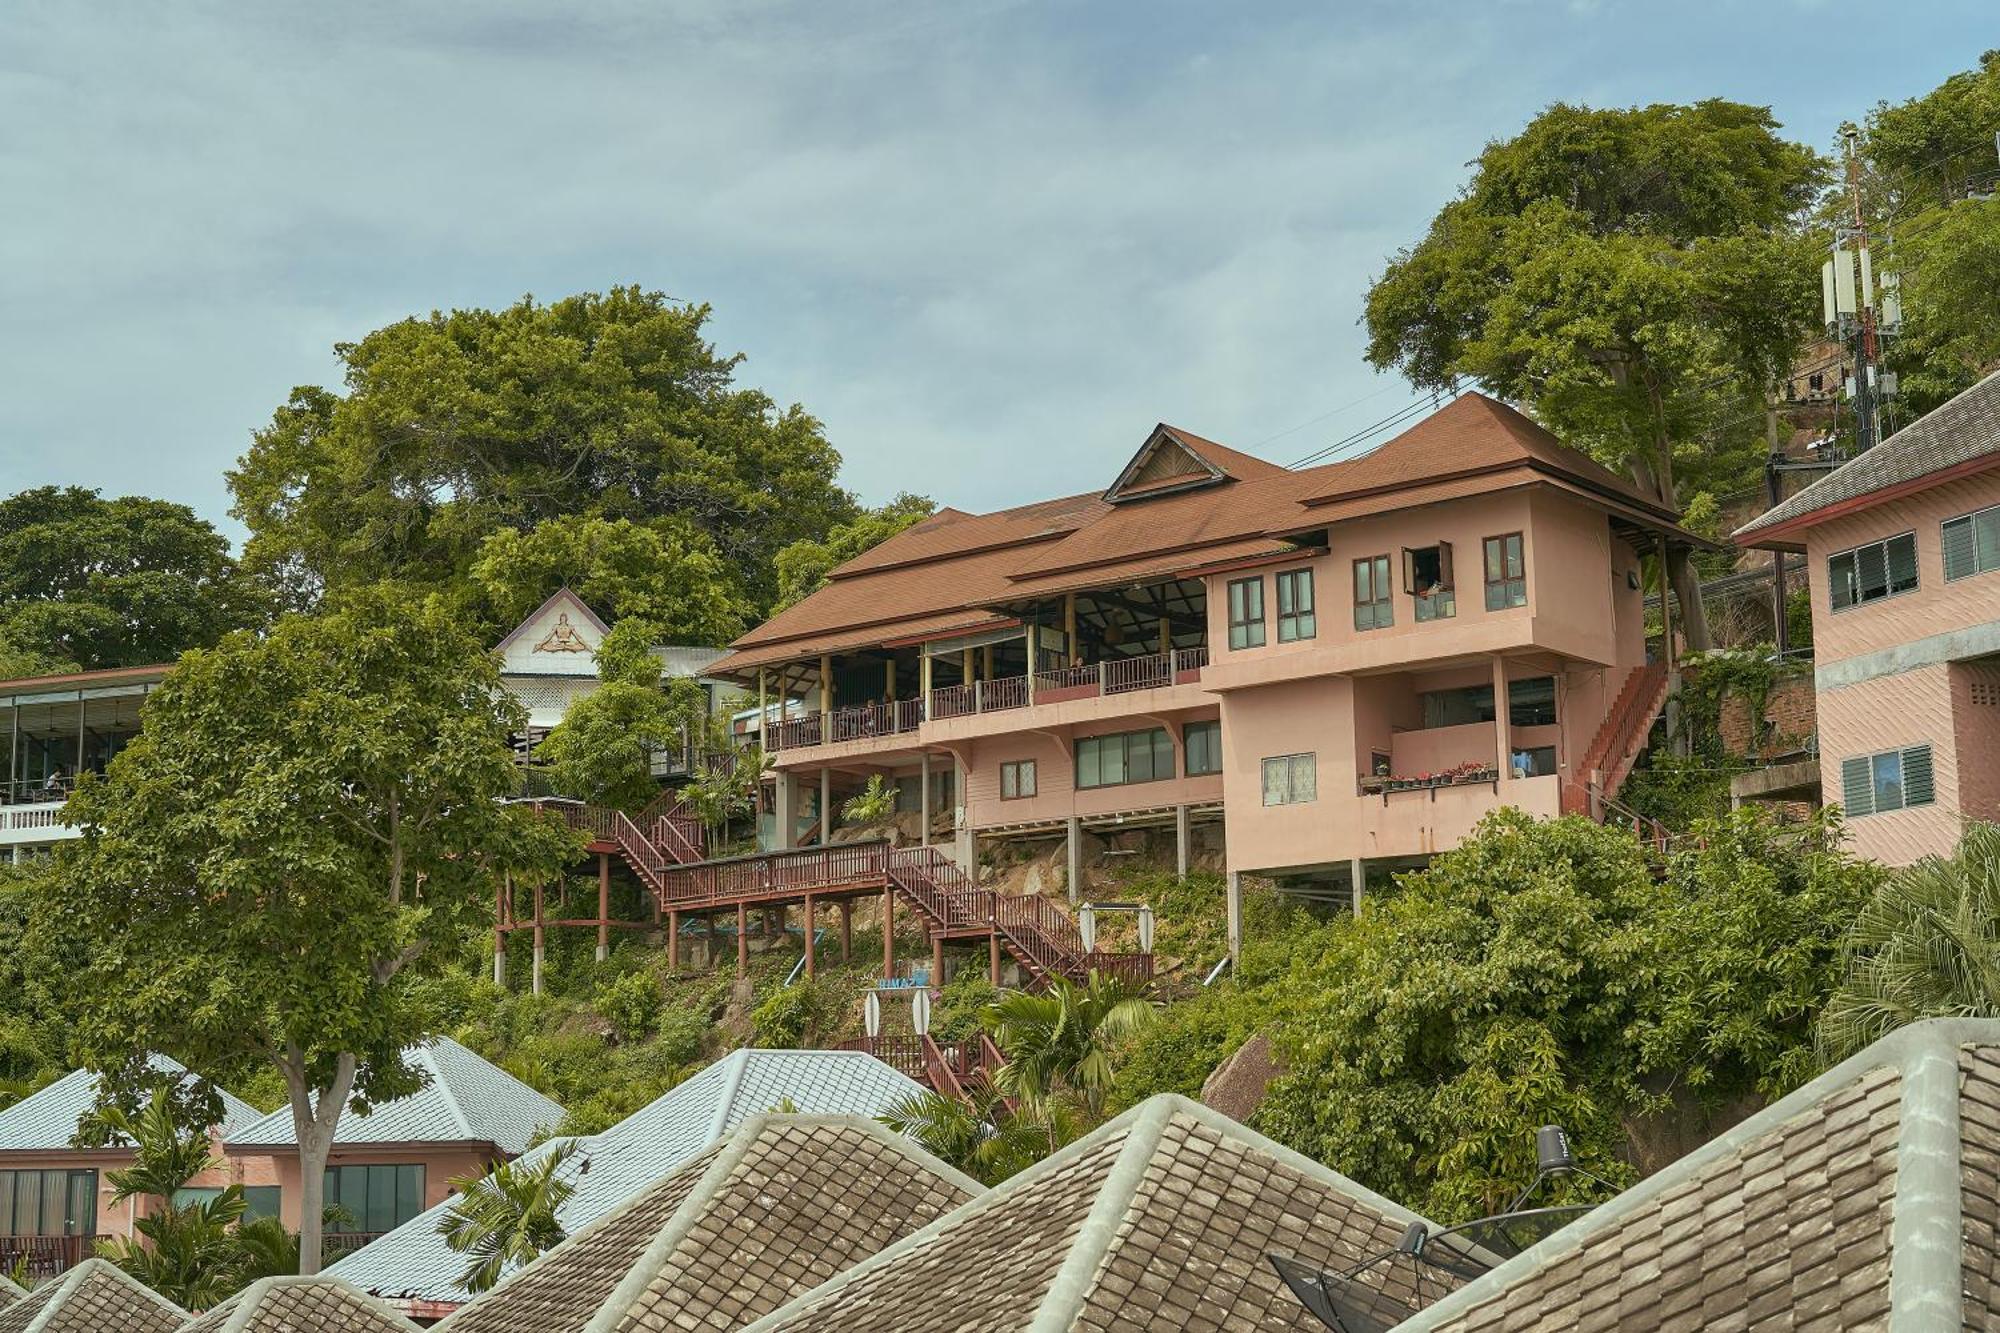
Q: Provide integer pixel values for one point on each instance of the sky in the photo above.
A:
(989, 244)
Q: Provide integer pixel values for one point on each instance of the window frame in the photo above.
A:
(361, 1227)
(1303, 761)
(1209, 726)
(1439, 605)
(1125, 757)
(1249, 621)
(1381, 605)
(1301, 621)
(1888, 582)
(1018, 769)
(1869, 775)
(1506, 581)
(1974, 524)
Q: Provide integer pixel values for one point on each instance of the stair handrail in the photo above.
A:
(639, 852)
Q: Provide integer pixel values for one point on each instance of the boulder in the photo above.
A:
(1236, 1088)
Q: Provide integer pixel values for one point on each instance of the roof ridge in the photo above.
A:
(1062, 1303)
(427, 1052)
(732, 1084)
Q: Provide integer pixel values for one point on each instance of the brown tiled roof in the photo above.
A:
(9, 1293)
(1962, 434)
(1865, 1199)
(1161, 1219)
(93, 1297)
(301, 1305)
(936, 576)
(783, 1204)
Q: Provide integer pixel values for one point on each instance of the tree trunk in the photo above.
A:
(1687, 591)
(313, 1125)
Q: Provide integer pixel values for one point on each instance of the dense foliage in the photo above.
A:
(602, 751)
(803, 566)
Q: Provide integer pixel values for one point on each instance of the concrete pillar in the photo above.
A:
(825, 806)
(846, 930)
(1182, 836)
(888, 932)
(787, 814)
(825, 697)
(809, 934)
(536, 983)
(993, 958)
(603, 906)
(1073, 857)
(500, 959)
(742, 939)
(1235, 919)
(924, 836)
(674, 940)
(1500, 718)
(1357, 872)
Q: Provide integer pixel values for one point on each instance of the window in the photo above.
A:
(1372, 607)
(48, 1203)
(375, 1199)
(1017, 779)
(1427, 576)
(1537, 761)
(1127, 757)
(1874, 784)
(1531, 702)
(1291, 779)
(1870, 573)
(1506, 576)
(1204, 747)
(1295, 606)
(1972, 544)
(260, 1201)
(1246, 613)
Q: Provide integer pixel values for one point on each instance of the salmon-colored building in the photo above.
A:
(1309, 659)
(1902, 548)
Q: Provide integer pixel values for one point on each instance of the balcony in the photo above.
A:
(891, 717)
(33, 822)
(39, 1258)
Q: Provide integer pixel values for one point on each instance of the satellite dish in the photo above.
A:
(872, 1014)
(920, 1012)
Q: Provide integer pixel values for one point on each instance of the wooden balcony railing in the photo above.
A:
(844, 865)
(995, 695)
(40, 1258)
(953, 701)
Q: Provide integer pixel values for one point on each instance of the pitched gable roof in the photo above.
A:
(563, 599)
(1160, 1219)
(467, 1100)
(1961, 436)
(47, 1120)
(9, 1293)
(781, 1205)
(93, 1297)
(1862, 1200)
(413, 1262)
(1172, 460)
(300, 1305)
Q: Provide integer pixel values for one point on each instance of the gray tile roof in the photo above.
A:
(93, 1297)
(1964, 429)
(780, 1206)
(300, 1305)
(48, 1120)
(1866, 1199)
(413, 1262)
(468, 1100)
(1162, 1218)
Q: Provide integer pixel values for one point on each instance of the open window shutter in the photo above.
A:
(1960, 553)
(1444, 566)
(1409, 571)
(1857, 789)
(1918, 787)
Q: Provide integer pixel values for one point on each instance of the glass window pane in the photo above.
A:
(1305, 778)
(1163, 753)
(261, 1201)
(1532, 703)
(1086, 762)
(1111, 761)
(1961, 554)
(1902, 562)
(55, 1198)
(1872, 565)
(7, 1204)
(409, 1192)
(354, 1196)
(1889, 781)
(381, 1199)
(1514, 567)
(1986, 531)
(1840, 580)
(1361, 582)
(1277, 774)
(1138, 758)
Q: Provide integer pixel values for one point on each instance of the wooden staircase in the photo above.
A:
(1608, 761)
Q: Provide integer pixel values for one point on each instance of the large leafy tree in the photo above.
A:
(664, 572)
(1544, 972)
(804, 565)
(463, 424)
(1927, 945)
(1638, 278)
(87, 582)
(306, 826)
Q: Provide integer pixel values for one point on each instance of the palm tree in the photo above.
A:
(982, 1138)
(1066, 1038)
(509, 1217)
(1927, 945)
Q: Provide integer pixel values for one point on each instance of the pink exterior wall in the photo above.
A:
(441, 1162)
(112, 1219)
(1888, 713)
(1057, 796)
(1975, 709)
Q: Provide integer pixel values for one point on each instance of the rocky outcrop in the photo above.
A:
(1237, 1086)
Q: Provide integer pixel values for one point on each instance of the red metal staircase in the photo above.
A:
(1608, 761)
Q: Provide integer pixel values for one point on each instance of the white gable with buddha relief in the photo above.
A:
(560, 639)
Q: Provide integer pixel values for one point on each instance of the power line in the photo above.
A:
(1396, 418)
(1329, 413)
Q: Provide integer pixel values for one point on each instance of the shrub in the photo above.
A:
(798, 1016)
(631, 1005)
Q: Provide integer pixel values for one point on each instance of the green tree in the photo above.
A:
(983, 1137)
(87, 582)
(1926, 945)
(507, 1217)
(664, 572)
(1927, 150)
(1545, 972)
(1637, 278)
(1066, 1038)
(603, 749)
(461, 425)
(803, 566)
(307, 825)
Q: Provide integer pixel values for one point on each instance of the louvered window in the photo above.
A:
(1972, 544)
(1872, 572)
(1874, 784)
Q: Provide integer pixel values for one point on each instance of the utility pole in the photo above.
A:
(1867, 353)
